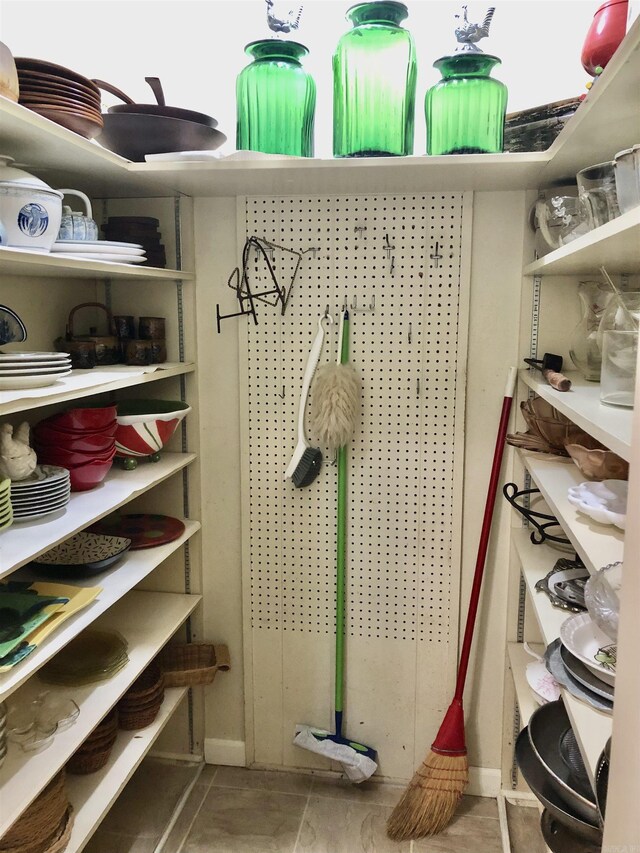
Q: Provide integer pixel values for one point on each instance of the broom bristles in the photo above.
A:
(429, 802)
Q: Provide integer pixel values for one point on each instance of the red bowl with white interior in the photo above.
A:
(145, 426)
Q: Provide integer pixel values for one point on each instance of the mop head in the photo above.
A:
(335, 404)
(357, 760)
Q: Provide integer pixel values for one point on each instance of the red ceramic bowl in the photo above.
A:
(145, 426)
(69, 458)
(84, 419)
(58, 433)
(85, 477)
(86, 442)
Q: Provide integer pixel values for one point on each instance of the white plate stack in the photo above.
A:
(32, 369)
(46, 490)
(6, 510)
(101, 250)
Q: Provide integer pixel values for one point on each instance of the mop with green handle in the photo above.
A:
(334, 415)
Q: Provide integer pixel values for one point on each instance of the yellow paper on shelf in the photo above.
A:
(79, 597)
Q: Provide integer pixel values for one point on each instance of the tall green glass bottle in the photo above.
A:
(465, 110)
(374, 83)
(275, 100)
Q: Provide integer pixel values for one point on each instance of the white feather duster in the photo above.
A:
(335, 404)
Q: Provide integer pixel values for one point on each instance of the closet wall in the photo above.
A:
(494, 233)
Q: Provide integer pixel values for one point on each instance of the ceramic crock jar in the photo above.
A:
(30, 210)
(374, 83)
(276, 100)
(465, 110)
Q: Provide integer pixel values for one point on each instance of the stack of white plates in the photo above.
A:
(32, 369)
(101, 250)
(46, 490)
(6, 510)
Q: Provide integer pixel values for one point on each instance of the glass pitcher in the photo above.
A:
(584, 347)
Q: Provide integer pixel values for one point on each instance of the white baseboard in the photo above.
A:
(484, 782)
(231, 753)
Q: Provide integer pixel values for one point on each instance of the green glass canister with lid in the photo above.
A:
(276, 100)
(374, 83)
(465, 110)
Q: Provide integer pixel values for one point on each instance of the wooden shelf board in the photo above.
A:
(611, 425)
(607, 120)
(615, 245)
(92, 796)
(597, 544)
(22, 542)
(65, 159)
(115, 583)
(85, 383)
(22, 262)
(359, 175)
(147, 620)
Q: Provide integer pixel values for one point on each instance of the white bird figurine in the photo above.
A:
(468, 34)
(17, 459)
(279, 25)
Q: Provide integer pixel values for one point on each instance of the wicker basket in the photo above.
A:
(189, 664)
(148, 685)
(57, 840)
(32, 832)
(138, 719)
(85, 761)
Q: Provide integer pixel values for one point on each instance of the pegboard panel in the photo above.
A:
(403, 255)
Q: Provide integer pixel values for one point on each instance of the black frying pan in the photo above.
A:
(159, 109)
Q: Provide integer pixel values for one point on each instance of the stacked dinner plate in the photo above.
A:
(44, 491)
(32, 369)
(101, 250)
(6, 510)
(61, 95)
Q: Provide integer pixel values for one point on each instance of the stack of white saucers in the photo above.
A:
(6, 510)
(101, 250)
(44, 491)
(32, 369)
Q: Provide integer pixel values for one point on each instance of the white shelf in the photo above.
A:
(115, 583)
(358, 175)
(518, 660)
(592, 727)
(53, 265)
(603, 124)
(606, 121)
(64, 159)
(147, 620)
(92, 796)
(611, 425)
(85, 383)
(597, 544)
(615, 245)
(22, 542)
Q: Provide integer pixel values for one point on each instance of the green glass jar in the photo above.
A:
(276, 100)
(465, 110)
(374, 84)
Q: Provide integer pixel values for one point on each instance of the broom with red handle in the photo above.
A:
(428, 804)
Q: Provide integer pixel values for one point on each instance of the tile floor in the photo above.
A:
(234, 810)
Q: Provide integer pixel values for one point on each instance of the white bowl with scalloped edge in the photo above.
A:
(605, 502)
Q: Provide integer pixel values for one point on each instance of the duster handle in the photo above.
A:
(484, 535)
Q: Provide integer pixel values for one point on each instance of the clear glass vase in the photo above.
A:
(465, 110)
(276, 100)
(374, 84)
(584, 346)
